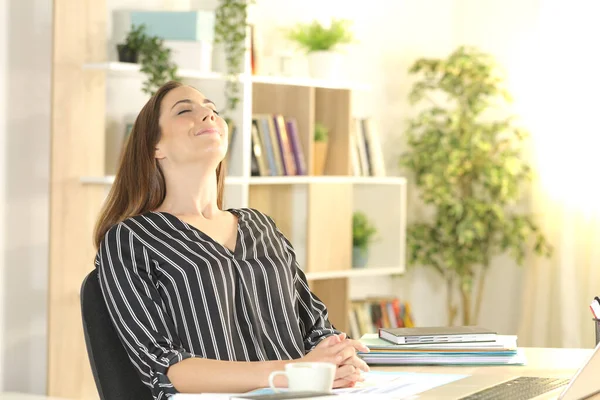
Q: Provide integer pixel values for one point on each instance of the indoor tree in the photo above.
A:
(464, 150)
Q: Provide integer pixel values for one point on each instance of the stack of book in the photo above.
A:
(441, 346)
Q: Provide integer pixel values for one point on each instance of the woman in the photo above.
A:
(203, 299)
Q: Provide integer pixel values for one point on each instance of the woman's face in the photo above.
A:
(191, 130)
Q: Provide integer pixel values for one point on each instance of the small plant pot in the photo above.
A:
(359, 257)
(319, 158)
(324, 64)
(126, 54)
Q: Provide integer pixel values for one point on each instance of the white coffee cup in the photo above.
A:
(307, 377)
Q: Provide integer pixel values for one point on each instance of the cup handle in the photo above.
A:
(272, 376)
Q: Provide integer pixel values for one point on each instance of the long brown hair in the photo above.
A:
(139, 184)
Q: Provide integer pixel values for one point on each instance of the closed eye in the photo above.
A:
(183, 111)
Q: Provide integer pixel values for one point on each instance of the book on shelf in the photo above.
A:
(371, 314)
(276, 147)
(366, 150)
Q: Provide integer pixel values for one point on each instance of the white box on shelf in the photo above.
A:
(191, 55)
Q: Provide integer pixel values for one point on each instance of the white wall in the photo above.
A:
(24, 178)
(3, 84)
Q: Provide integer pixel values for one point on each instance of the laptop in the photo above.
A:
(585, 383)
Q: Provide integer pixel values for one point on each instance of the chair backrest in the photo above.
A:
(115, 375)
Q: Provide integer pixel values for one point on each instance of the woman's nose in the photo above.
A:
(209, 114)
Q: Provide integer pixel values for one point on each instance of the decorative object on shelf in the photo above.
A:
(189, 34)
(321, 45)
(362, 235)
(128, 51)
(470, 172)
(230, 31)
(153, 56)
(320, 146)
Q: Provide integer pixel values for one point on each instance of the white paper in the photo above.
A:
(398, 385)
(378, 385)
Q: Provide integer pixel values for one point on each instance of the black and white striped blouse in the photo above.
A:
(173, 293)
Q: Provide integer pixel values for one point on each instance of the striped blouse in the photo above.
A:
(173, 293)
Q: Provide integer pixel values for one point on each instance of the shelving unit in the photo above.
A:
(314, 212)
(93, 100)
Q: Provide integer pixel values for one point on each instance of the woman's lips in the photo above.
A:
(207, 131)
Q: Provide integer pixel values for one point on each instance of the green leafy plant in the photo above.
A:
(321, 132)
(316, 37)
(134, 41)
(230, 31)
(363, 231)
(469, 170)
(154, 58)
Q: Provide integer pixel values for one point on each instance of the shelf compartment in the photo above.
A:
(355, 273)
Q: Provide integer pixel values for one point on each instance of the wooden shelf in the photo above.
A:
(131, 69)
(355, 273)
(279, 180)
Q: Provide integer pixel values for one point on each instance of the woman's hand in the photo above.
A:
(339, 350)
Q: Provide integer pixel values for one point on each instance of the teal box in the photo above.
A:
(196, 25)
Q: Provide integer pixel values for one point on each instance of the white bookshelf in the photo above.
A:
(276, 180)
(133, 70)
(356, 273)
(302, 205)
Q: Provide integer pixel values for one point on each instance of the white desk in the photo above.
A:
(553, 362)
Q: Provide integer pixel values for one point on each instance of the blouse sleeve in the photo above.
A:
(146, 331)
(314, 319)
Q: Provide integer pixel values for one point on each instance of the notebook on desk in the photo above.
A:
(446, 334)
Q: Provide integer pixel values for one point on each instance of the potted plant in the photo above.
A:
(321, 45)
(152, 55)
(230, 34)
(128, 51)
(470, 173)
(362, 235)
(321, 137)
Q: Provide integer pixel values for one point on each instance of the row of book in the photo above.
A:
(370, 315)
(366, 148)
(276, 147)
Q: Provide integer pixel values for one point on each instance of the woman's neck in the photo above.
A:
(191, 191)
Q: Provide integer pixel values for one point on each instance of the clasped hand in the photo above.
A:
(341, 351)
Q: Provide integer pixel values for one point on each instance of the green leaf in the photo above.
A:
(316, 37)
(465, 158)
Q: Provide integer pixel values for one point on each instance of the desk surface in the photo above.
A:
(553, 362)
(557, 362)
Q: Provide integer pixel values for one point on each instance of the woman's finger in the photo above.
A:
(342, 384)
(345, 353)
(359, 346)
(344, 371)
(357, 362)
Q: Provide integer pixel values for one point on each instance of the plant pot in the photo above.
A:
(126, 54)
(324, 64)
(359, 257)
(319, 157)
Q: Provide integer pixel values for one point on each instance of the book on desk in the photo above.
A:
(491, 349)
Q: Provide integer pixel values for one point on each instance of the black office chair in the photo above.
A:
(115, 376)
